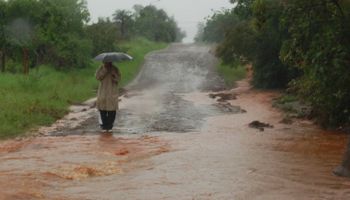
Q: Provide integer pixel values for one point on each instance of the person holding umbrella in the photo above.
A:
(108, 94)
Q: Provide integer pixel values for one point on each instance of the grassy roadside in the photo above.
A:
(231, 74)
(44, 96)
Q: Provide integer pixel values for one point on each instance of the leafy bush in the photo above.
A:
(319, 45)
(301, 44)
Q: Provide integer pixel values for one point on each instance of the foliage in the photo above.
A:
(50, 30)
(156, 25)
(104, 36)
(216, 26)
(62, 32)
(200, 32)
(239, 44)
(304, 45)
(3, 10)
(149, 22)
(19, 29)
(243, 8)
(319, 45)
(124, 20)
(269, 70)
(55, 32)
(257, 38)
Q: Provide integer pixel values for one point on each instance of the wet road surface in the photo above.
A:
(172, 141)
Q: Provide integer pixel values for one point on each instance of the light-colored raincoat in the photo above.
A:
(107, 95)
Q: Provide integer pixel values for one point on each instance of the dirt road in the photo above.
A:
(172, 141)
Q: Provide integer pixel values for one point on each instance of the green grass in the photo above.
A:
(231, 74)
(44, 95)
(287, 98)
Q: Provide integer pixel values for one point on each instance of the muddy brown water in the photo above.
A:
(172, 141)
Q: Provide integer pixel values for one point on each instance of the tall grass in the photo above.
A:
(231, 74)
(45, 94)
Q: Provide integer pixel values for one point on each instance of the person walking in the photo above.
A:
(108, 94)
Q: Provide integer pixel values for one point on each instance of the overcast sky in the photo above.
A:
(188, 13)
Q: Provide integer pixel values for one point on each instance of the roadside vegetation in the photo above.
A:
(43, 96)
(297, 45)
(46, 51)
(231, 74)
(302, 47)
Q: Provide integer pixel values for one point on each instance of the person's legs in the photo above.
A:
(111, 119)
(104, 119)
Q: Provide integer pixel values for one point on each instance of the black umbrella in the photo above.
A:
(113, 57)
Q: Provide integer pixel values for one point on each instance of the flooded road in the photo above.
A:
(172, 141)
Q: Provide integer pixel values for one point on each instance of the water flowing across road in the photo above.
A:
(172, 141)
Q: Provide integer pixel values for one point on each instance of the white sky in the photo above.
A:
(188, 13)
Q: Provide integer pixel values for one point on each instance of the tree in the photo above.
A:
(304, 45)
(253, 36)
(218, 24)
(49, 31)
(200, 32)
(238, 45)
(269, 70)
(62, 37)
(173, 29)
(21, 28)
(243, 8)
(125, 22)
(137, 10)
(319, 45)
(156, 25)
(3, 17)
(180, 34)
(104, 34)
(56, 31)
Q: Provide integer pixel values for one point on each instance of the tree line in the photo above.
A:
(57, 32)
(303, 46)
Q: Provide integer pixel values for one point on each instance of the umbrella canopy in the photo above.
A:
(113, 57)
